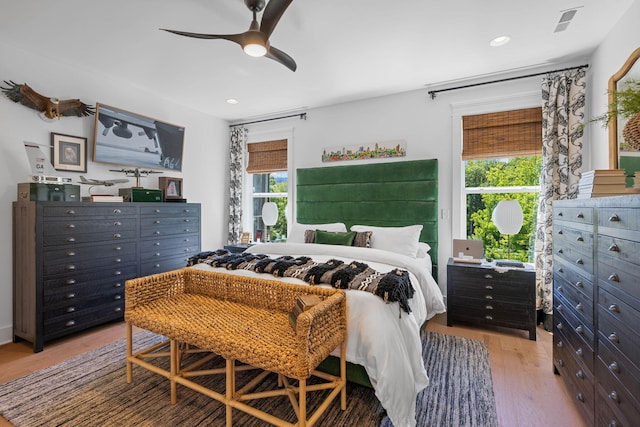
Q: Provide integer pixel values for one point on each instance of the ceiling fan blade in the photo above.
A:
(272, 14)
(237, 38)
(281, 57)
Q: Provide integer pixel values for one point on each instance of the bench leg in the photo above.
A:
(302, 418)
(343, 375)
(230, 389)
(129, 352)
(173, 370)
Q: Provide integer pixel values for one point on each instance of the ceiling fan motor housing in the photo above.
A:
(255, 5)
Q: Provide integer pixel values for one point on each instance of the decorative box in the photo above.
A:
(141, 195)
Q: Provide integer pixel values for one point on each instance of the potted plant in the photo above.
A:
(626, 106)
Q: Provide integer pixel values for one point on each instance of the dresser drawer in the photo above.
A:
(613, 394)
(83, 319)
(110, 258)
(82, 298)
(575, 257)
(160, 266)
(580, 240)
(620, 336)
(166, 243)
(619, 218)
(626, 316)
(110, 277)
(619, 278)
(91, 210)
(573, 276)
(624, 371)
(493, 311)
(613, 248)
(607, 418)
(169, 210)
(580, 215)
(88, 231)
(582, 305)
(162, 230)
(167, 251)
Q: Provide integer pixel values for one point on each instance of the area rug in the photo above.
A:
(90, 390)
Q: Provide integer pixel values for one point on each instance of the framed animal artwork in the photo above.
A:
(68, 153)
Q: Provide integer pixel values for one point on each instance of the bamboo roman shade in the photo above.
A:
(513, 133)
(268, 156)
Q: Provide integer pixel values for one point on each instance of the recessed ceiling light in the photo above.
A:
(500, 40)
(232, 101)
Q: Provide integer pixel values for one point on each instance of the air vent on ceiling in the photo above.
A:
(565, 19)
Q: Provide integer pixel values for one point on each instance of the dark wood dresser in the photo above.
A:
(485, 295)
(596, 244)
(71, 260)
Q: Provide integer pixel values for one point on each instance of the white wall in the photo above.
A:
(205, 157)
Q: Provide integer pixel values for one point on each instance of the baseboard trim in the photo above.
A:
(6, 334)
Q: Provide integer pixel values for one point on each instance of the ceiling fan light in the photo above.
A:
(254, 49)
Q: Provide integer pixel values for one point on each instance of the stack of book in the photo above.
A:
(302, 304)
(602, 183)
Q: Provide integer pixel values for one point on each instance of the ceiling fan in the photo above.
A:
(255, 41)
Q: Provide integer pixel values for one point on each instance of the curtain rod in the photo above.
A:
(303, 116)
(433, 93)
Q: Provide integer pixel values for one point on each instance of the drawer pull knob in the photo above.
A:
(71, 212)
(579, 284)
(579, 352)
(71, 281)
(613, 367)
(614, 218)
(117, 236)
(560, 309)
(560, 289)
(559, 326)
(118, 248)
(580, 374)
(117, 211)
(186, 240)
(579, 261)
(157, 211)
(580, 215)
(614, 396)
(156, 244)
(560, 251)
(560, 362)
(70, 295)
(117, 297)
(560, 344)
(156, 233)
(117, 273)
(71, 253)
(579, 329)
(117, 260)
(156, 254)
(613, 337)
(560, 214)
(614, 308)
(560, 270)
(70, 323)
(157, 221)
(118, 309)
(488, 307)
(560, 232)
(186, 211)
(580, 239)
(612, 424)
(156, 265)
(187, 250)
(488, 317)
(71, 226)
(71, 309)
(579, 306)
(71, 239)
(614, 278)
(490, 287)
(489, 297)
(614, 248)
(70, 267)
(187, 220)
(580, 397)
(117, 224)
(187, 230)
(117, 285)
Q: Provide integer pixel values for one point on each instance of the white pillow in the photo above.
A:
(402, 240)
(296, 231)
(423, 250)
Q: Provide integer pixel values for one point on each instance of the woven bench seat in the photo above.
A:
(240, 319)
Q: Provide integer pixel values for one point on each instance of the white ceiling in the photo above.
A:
(345, 49)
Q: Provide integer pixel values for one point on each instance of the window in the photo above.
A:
(501, 160)
(267, 173)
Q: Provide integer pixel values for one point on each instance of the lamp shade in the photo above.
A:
(507, 216)
(269, 213)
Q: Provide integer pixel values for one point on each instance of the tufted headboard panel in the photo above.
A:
(380, 194)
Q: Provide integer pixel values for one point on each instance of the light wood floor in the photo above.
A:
(526, 390)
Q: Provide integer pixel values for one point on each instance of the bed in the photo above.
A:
(395, 206)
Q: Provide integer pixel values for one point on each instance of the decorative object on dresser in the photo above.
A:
(507, 217)
(489, 295)
(68, 153)
(42, 192)
(71, 259)
(602, 183)
(596, 276)
(140, 195)
(172, 187)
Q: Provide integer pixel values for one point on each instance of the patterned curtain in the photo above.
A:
(236, 173)
(563, 101)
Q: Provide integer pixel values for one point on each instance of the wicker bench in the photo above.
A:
(240, 319)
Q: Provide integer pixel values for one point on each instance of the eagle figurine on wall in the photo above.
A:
(51, 107)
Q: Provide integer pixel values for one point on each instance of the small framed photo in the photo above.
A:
(172, 187)
(68, 153)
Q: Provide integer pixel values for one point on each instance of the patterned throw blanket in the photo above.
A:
(394, 286)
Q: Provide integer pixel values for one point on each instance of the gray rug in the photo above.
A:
(91, 390)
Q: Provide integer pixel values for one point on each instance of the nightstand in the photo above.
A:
(484, 295)
(237, 248)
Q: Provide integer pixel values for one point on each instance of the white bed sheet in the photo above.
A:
(381, 337)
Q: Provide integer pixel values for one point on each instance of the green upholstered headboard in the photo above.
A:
(380, 194)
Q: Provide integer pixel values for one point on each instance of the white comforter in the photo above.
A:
(381, 337)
